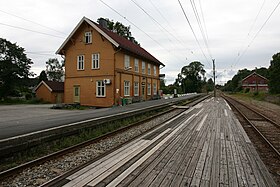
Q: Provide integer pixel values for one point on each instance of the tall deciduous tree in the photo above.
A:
(274, 74)
(54, 69)
(43, 76)
(119, 28)
(193, 77)
(14, 66)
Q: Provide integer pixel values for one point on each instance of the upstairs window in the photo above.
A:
(88, 38)
(95, 61)
(80, 62)
(149, 69)
(136, 65)
(143, 67)
(126, 61)
(155, 71)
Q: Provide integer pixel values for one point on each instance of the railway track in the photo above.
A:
(267, 129)
(16, 170)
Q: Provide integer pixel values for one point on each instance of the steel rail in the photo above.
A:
(17, 169)
(249, 121)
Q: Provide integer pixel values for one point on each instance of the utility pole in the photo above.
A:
(214, 75)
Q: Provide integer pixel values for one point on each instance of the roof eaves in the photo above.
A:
(76, 28)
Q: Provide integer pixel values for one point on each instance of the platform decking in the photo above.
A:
(204, 146)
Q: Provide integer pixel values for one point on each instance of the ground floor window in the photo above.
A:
(126, 88)
(149, 88)
(100, 89)
(155, 88)
(136, 88)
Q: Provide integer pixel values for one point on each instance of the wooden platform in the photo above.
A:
(204, 146)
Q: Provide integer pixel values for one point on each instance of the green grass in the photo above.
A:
(21, 101)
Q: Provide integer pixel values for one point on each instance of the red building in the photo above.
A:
(255, 82)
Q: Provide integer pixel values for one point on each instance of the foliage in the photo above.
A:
(54, 69)
(43, 76)
(192, 77)
(274, 74)
(119, 28)
(14, 66)
(234, 85)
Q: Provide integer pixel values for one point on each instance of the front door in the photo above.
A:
(143, 92)
(76, 94)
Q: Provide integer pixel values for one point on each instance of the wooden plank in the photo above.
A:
(117, 180)
(214, 180)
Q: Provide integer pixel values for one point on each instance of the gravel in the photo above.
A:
(39, 175)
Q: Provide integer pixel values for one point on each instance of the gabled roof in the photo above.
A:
(117, 40)
(254, 73)
(52, 86)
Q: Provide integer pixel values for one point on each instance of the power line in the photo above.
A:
(255, 20)
(160, 13)
(38, 32)
(255, 36)
(32, 22)
(135, 26)
(200, 27)
(193, 32)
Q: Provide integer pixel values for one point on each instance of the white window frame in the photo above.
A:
(149, 89)
(143, 67)
(100, 85)
(155, 71)
(136, 65)
(155, 88)
(88, 37)
(95, 61)
(149, 69)
(126, 88)
(136, 88)
(80, 62)
(126, 61)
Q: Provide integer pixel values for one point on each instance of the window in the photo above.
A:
(155, 71)
(100, 89)
(126, 88)
(155, 89)
(143, 67)
(88, 38)
(76, 90)
(80, 62)
(136, 88)
(126, 61)
(149, 88)
(95, 61)
(136, 65)
(149, 69)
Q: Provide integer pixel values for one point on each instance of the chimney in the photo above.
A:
(103, 23)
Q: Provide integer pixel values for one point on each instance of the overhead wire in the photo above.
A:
(200, 27)
(32, 22)
(257, 33)
(136, 26)
(179, 41)
(38, 32)
(188, 21)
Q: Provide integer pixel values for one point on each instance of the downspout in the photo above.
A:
(114, 87)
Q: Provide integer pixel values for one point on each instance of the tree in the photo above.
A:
(43, 76)
(274, 74)
(54, 69)
(193, 77)
(119, 28)
(14, 66)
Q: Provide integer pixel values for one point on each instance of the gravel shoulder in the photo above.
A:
(269, 109)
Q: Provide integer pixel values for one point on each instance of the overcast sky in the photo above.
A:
(232, 29)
